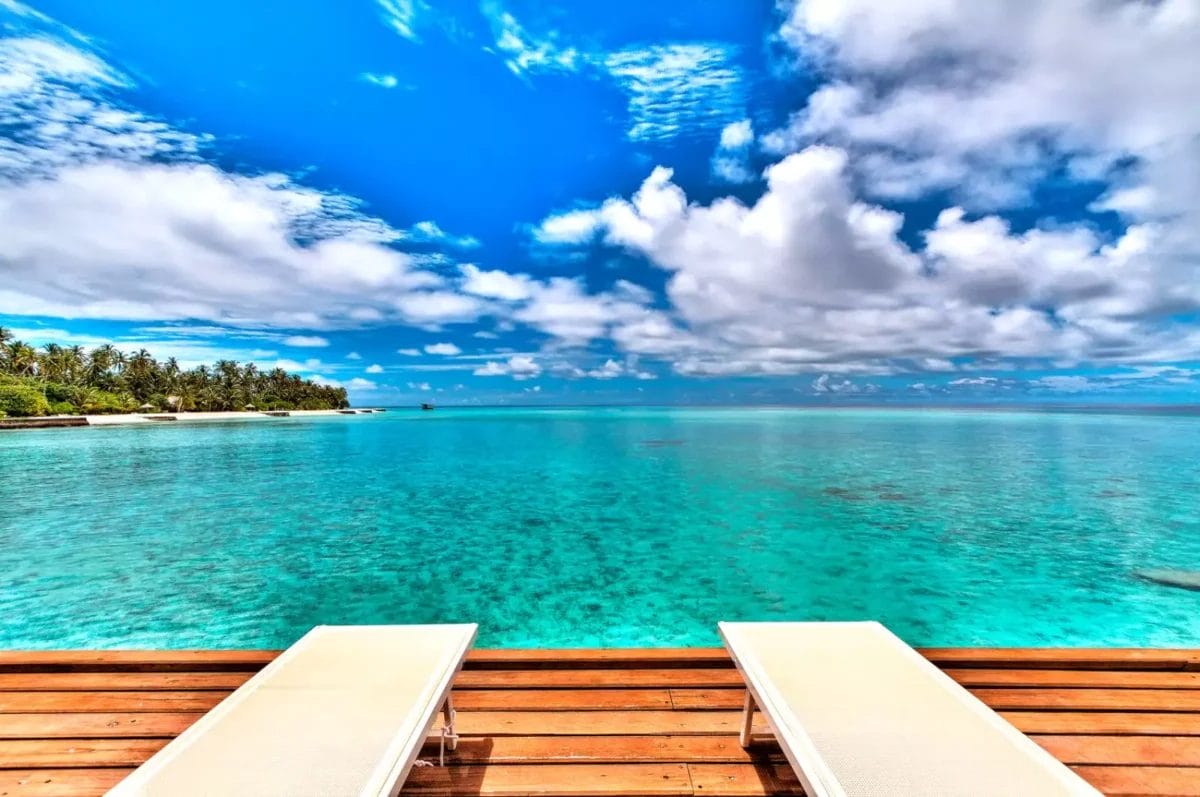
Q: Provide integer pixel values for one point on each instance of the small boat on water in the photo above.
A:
(425, 406)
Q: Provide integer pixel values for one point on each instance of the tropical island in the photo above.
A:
(72, 380)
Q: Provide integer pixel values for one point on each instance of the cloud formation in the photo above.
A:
(811, 278)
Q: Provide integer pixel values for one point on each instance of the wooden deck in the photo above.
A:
(600, 722)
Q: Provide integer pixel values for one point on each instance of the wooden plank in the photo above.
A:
(590, 723)
(744, 780)
(1119, 700)
(603, 749)
(1103, 723)
(568, 780)
(481, 658)
(1066, 658)
(1119, 679)
(1176, 700)
(598, 678)
(73, 702)
(94, 726)
(1127, 750)
(66, 753)
(561, 699)
(117, 681)
(59, 782)
(133, 660)
(1143, 781)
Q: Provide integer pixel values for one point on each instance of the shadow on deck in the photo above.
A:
(600, 722)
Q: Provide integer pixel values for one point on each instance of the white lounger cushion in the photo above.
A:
(344, 711)
(858, 712)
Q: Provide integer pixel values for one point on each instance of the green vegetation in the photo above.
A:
(69, 380)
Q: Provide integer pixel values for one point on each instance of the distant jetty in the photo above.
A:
(126, 419)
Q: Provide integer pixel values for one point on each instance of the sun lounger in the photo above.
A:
(344, 711)
(858, 712)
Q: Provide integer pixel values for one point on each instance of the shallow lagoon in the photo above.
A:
(603, 526)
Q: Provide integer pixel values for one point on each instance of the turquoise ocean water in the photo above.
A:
(612, 527)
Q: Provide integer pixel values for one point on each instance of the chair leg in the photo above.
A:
(747, 719)
(449, 732)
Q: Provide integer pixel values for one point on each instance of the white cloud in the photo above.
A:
(305, 341)
(524, 52)
(374, 369)
(561, 307)
(402, 16)
(572, 227)
(731, 162)
(985, 99)
(358, 383)
(519, 367)
(444, 349)
(383, 80)
(308, 366)
(409, 352)
(430, 232)
(118, 206)
(434, 308)
(826, 384)
(675, 87)
(611, 369)
(353, 356)
(809, 278)
(495, 284)
(671, 87)
(422, 386)
(1067, 384)
(737, 135)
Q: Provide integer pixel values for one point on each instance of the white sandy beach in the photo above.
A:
(182, 417)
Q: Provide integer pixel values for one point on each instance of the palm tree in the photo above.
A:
(106, 379)
(21, 359)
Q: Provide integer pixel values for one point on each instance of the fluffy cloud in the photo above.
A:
(106, 213)
(305, 341)
(409, 352)
(987, 98)
(495, 284)
(572, 227)
(519, 367)
(811, 278)
(731, 163)
(444, 349)
(562, 308)
(422, 386)
(374, 369)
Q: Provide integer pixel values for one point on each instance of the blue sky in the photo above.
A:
(669, 202)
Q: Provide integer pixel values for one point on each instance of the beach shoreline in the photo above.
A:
(136, 418)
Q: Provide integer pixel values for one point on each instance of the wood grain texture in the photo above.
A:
(597, 723)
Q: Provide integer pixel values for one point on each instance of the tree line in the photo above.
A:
(71, 380)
